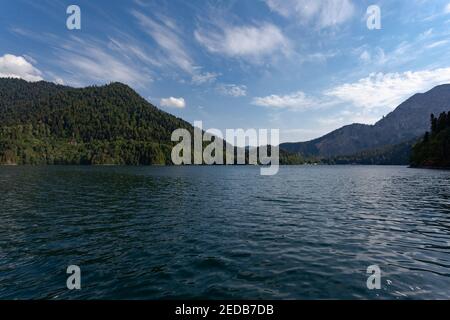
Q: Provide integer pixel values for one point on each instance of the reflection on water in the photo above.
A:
(224, 232)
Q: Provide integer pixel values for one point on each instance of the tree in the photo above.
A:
(448, 120)
(434, 150)
(433, 124)
(442, 122)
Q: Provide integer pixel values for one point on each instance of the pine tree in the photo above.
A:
(442, 122)
(433, 124)
(448, 120)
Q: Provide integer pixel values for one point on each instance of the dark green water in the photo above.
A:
(224, 232)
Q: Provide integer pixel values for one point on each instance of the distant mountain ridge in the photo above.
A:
(408, 121)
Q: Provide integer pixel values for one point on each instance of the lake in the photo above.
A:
(309, 232)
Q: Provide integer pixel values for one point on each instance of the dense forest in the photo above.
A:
(434, 149)
(44, 123)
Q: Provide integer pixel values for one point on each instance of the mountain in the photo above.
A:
(407, 122)
(45, 123)
(434, 148)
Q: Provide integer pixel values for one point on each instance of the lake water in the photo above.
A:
(224, 232)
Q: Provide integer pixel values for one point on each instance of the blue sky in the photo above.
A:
(305, 67)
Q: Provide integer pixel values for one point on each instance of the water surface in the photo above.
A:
(224, 232)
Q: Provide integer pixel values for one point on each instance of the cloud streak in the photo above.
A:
(232, 90)
(245, 41)
(294, 101)
(323, 14)
(89, 60)
(86, 60)
(168, 37)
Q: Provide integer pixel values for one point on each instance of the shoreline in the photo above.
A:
(224, 165)
(430, 167)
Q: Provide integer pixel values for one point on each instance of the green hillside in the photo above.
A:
(44, 123)
(434, 149)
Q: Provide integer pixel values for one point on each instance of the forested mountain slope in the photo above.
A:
(44, 123)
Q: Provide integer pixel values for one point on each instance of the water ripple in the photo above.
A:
(224, 232)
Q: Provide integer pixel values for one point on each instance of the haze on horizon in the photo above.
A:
(306, 67)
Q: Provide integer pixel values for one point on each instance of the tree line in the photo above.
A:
(434, 148)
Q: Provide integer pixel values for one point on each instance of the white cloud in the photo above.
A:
(172, 102)
(388, 90)
(297, 101)
(12, 66)
(447, 9)
(324, 13)
(232, 90)
(207, 77)
(249, 41)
